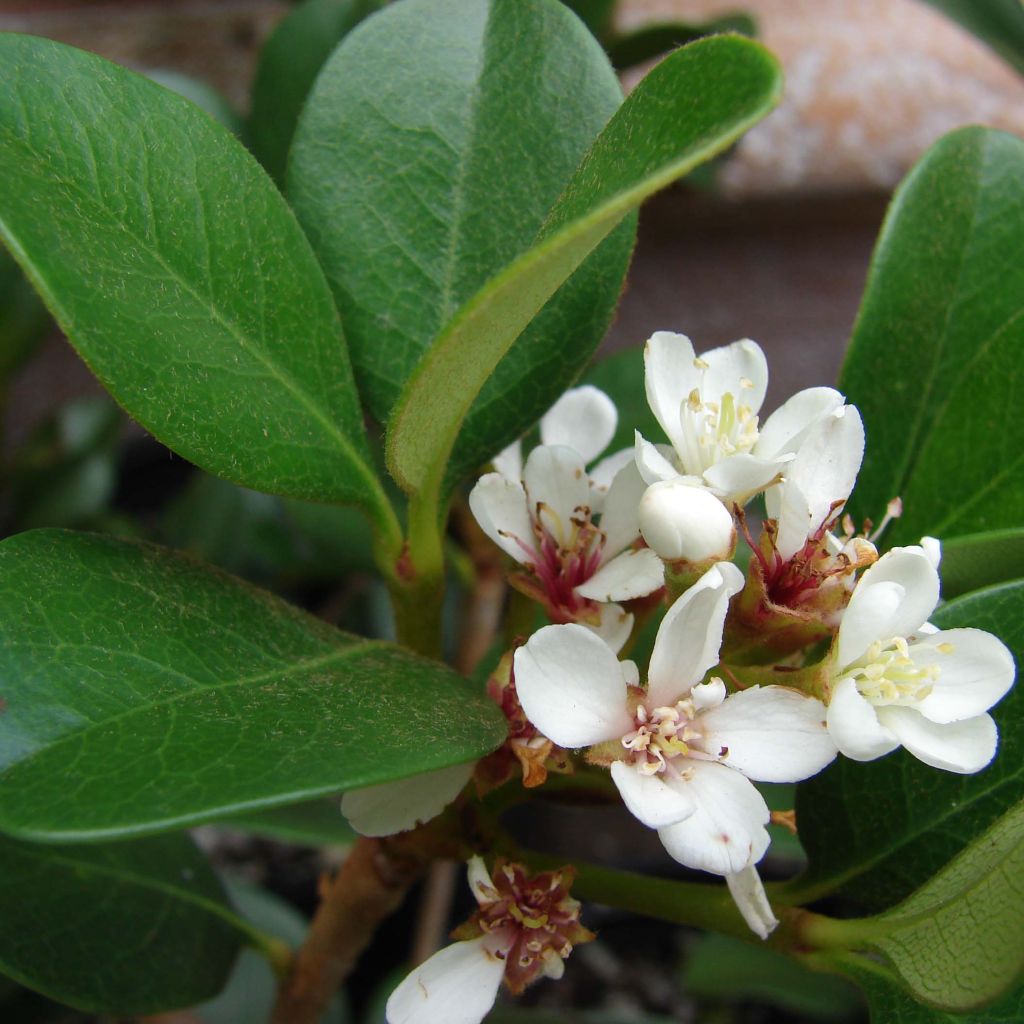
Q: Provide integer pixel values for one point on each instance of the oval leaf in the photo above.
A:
(877, 831)
(179, 274)
(690, 107)
(169, 694)
(981, 560)
(72, 917)
(430, 152)
(934, 364)
(958, 942)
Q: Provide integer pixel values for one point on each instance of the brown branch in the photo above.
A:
(369, 886)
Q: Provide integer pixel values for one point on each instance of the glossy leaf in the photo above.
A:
(1000, 23)
(179, 274)
(981, 560)
(173, 694)
(934, 365)
(72, 917)
(958, 942)
(878, 831)
(287, 69)
(690, 107)
(431, 150)
(310, 823)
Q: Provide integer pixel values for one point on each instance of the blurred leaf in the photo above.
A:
(431, 150)
(657, 39)
(595, 14)
(176, 694)
(934, 364)
(66, 473)
(204, 96)
(725, 969)
(310, 823)
(287, 69)
(250, 992)
(690, 107)
(621, 378)
(185, 291)
(980, 560)
(877, 831)
(999, 23)
(24, 320)
(73, 917)
(958, 941)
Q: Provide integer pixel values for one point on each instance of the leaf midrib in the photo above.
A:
(233, 329)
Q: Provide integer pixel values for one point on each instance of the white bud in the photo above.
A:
(682, 522)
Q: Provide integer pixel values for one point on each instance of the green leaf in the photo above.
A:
(73, 917)
(310, 823)
(878, 831)
(1000, 23)
(249, 993)
(654, 40)
(65, 475)
(934, 365)
(179, 274)
(204, 96)
(287, 69)
(174, 694)
(980, 560)
(691, 106)
(725, 969)
(958, 942)
(431, 150)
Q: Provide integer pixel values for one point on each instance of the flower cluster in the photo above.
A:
(822, 648)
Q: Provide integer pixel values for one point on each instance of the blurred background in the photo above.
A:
(773, 243)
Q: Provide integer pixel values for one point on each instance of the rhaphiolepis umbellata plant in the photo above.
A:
(455, 229)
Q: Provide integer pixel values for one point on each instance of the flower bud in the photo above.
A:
(686, 523)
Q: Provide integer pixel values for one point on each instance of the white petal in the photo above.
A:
(629, 575)
(620, 518)
(769, 733)
(398, 806)
(726, 833)
(653, 461)
(457, 985)
(963, 747)
(783, 431)
(557, 488)
(649, 799)
(933, 549)
(480, 882)
(683, 522)
(822, 473)
(690, 635)
(571, 687)
(709, 694)
(975, 671)
(584, 419)
(630, 672)
(602, 475)
(752, 902)
(669, 377)
(613, 627)
(499, 505)
(879, 611)
(740, 369)
(509, 462)
(739, 477)
(854, 726)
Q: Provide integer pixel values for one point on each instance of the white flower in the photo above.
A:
(818, 480)
(685, 751)
(683, 522)
(583, 419)
(577, 568)
(398, 806)
(524, 929)
(708, 408)
(899, 681)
